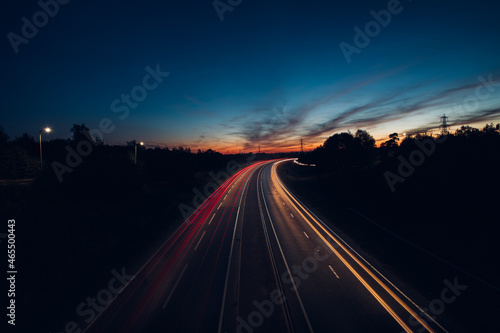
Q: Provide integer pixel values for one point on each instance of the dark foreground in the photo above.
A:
(427, 235)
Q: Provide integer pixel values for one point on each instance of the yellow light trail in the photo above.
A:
(294, 202)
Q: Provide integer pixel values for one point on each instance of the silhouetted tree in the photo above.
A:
(339, 151)
(407, 141)
(491, 129)
(365, 139)
(25, 141)
(339, 141)
(392, 142)
(131, 143)
(81, 132)
(466, 131)
(98, 141)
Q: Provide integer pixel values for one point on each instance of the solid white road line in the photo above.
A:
(200, 240)
(175, 286)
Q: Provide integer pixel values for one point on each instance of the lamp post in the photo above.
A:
(47, 130)
(135, 158)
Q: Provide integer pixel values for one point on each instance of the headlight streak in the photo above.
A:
(431, 318)
(281, 187)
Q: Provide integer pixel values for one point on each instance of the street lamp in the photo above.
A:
(135, 158)
(47, 130)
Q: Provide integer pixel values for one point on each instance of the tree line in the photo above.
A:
(20, 157)
(345, 151)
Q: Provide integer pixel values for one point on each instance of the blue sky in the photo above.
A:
(267, 75)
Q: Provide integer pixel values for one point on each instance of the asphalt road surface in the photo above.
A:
(253, 258)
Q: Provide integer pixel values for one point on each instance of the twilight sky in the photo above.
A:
(268, 74)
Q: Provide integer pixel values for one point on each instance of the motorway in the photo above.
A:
(253, 258)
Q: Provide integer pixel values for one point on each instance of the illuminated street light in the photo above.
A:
(47, 130)
(135, 158)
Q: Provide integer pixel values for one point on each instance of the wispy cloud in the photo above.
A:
(483, 116)
(395, 106)
(277, 125)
